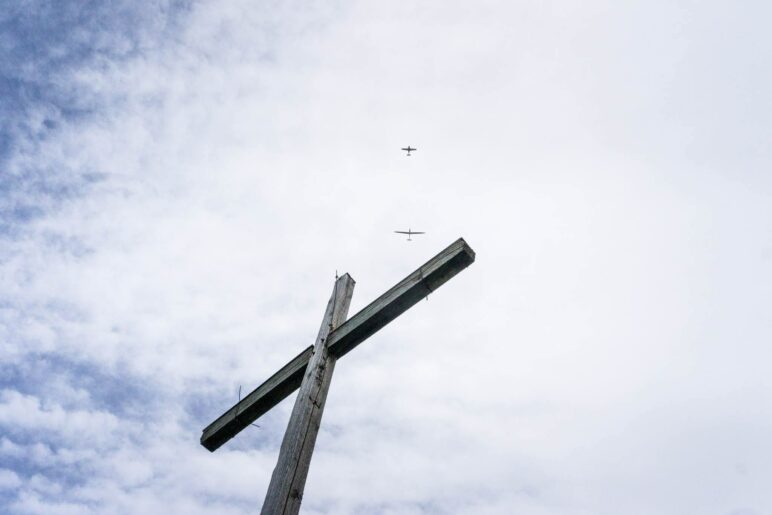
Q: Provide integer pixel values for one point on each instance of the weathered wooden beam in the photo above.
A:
(260, 400)
(416, 286)
(285, 492)
(433, 274)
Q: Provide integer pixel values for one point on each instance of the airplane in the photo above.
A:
(409, 149)
(409, 233)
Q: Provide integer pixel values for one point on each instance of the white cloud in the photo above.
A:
(8, 479)
(606, 353)
(27, 413)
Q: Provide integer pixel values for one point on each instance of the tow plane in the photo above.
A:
(409, 149)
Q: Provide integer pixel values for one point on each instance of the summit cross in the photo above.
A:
(311, 371)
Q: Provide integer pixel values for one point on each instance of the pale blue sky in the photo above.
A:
(179, 182)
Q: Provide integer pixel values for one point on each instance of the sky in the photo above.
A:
(180, 181)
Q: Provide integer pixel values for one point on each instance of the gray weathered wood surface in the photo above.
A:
(285, 491)
(416, 286)
(275, 389)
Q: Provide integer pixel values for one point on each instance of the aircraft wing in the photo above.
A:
(404, 232)
(417, 232)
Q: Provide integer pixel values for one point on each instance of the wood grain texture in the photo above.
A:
(275, 389)
(285, 492)
(406, 293)
(416, 286)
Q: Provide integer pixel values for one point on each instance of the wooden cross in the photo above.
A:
(311, 371)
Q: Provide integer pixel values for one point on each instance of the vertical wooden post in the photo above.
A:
(285, 491)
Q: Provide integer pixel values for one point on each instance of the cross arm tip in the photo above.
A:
(467, 249)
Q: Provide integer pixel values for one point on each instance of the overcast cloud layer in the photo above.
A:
(180, 181)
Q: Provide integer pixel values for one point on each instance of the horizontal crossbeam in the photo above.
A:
(416, 286)
(278, 387)
(406, 293)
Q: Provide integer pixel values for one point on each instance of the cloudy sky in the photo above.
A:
(180, 181)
